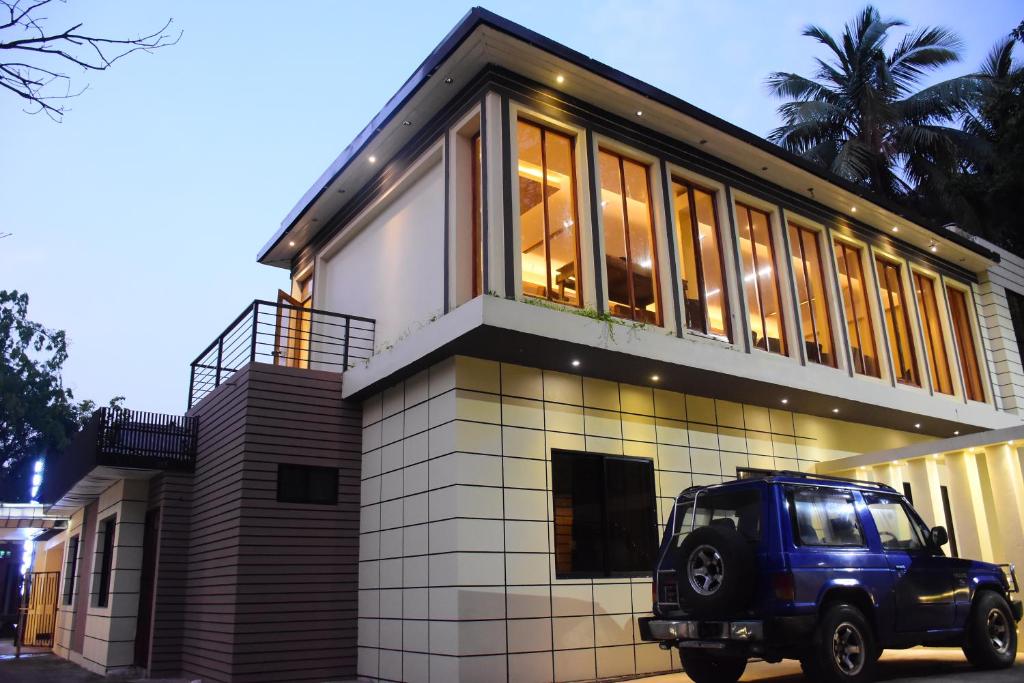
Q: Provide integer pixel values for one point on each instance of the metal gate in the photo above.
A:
(38, 617)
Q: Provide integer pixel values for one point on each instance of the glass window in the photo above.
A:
(738, 509)
(810, 289)
(761, 279)
(824, 517)
(477, 210)
(307, 484)
(965, 344)
(1015, 302)
(71, 570)
(938, 361)
(549, 239)
(630, 260)
(108, 529)
(896, 530)
(605, 523)
(855, 305)
(897, 322)
(700, 260)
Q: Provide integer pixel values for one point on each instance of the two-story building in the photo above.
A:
(530, 302)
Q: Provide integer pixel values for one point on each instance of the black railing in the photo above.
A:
(117, 437)
(281, 334)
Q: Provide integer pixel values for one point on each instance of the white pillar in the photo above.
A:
(965, 498)
(1007, 483)
(923, 475)
(889, 474)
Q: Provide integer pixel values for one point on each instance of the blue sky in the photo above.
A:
(136, 221)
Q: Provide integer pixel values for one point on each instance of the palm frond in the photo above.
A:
(946, 100)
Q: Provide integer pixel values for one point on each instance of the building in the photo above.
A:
(533, 300)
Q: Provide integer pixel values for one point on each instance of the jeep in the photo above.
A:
(828, 571)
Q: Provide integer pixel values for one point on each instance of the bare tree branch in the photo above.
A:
(33, 59)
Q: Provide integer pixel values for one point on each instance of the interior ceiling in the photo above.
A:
(487, 45)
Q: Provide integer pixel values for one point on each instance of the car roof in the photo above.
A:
(766, 477)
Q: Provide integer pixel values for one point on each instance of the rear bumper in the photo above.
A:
(774, 632)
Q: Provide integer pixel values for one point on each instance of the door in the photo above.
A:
(924, 585)
(147, 588)
(292, 331)
(39, 609)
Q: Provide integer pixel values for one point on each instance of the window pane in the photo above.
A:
(825, 518)
(531, 210)
(741, 508)
(478, 216)
(760, 280)
(1015, 302)
(897, 322)
(307, 484)
(938, 362)
(631, 263)
(810, 284)
(700, 268)
(71, 570)
(965, 344)
(562, 241)
(632, 526)
(108, 529)
(578, 491)
(896, 531)
(855, 305)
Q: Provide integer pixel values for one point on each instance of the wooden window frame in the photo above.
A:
(698, 258)
(815, 235)
(783, 341)
(966, 355)
(572, 138)
(926, 324)
(844, 249)
(886, 262)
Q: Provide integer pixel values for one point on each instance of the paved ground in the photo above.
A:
(936, 665)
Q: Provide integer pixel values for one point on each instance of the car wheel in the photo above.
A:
(703, 667)
(715, 572)
(991, 633)
(843, 650)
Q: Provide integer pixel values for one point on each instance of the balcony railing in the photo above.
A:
(281, 334)
(117, 437)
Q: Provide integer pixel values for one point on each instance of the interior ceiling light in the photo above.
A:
(933, 247)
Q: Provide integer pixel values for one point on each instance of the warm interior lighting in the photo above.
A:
(560, 79)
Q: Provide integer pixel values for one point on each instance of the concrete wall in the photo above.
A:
(456, 574)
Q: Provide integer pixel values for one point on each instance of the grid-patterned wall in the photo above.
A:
(457, 577)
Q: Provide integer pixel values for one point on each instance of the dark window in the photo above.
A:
(947, 512)
(605, 521)
(307, 484)
(1016, 304)
(106, 561)
(824, 517)
(908, 492)
(72, 570)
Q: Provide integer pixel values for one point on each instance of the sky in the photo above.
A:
(136, 221)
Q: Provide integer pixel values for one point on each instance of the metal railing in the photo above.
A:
(281, 334)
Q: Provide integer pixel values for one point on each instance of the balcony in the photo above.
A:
(118, 443)
(281, 334)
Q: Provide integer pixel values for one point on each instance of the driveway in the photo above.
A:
(935, 665)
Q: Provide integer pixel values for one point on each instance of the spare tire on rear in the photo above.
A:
(715, 572)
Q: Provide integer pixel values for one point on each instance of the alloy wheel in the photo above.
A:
(705, 570)
(848, 648)
(998, 630)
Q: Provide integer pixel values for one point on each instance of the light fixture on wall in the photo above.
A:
(407, 122)
(956, 433)
(448, 80)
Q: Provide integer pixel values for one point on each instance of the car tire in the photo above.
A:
(729, 573)
(991, 633)
(843, 649)
(704, 667)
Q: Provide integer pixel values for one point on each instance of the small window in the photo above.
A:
(761, 279)
(965, 343)
(896, 530)
(477, 214)
(1015, 302)
(108, 528)
(855, 305)
(71, 570)
(307, 484)
(897, 322)
(823, 517)
(605, 521)
(938, 362)
(812, 300)
(700, 260)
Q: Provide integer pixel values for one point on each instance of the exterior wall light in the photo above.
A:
(575, 363)
(835, 410)
(559, 79)
(917, 425)
(655, 378)
(639, 113)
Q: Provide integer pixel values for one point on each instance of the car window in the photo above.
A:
(824, 517)
(896, 529)
(736, 509)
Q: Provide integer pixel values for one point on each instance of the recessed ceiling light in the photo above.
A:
(917, 425)
(895, 228)
(1009, 443)
(934, 247)
(956, 433)
(449, 80)
(655, 378)
(835, 410)
(407, 122)
(291, 244)
(560, 78)
(785, 401)
(639, 113)
(575, 363)
(373, 159)
(853, 209)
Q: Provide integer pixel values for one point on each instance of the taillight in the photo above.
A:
(783, 586)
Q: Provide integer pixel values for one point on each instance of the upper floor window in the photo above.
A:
(630, 258)
(897, 321)
(965, 343)
(810, 290)
(761, 280)
(549, 239)
(938, 361)
(700, 260)
(855, 305)
(477, 214)
(1015, 302)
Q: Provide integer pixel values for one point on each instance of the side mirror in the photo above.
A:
(938, 536)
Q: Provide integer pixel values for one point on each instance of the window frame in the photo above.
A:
(801, 226)
(885, 260)
(843, 245)
(71, 569)
(607, 573)
(935, 281)
(750, 205)
(973, 336)
(573, 136)
(675, 177)
(300, 500)
(794, 529)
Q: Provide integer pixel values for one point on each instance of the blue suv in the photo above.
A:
(828, 571)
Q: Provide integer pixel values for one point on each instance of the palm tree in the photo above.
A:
(862, 115)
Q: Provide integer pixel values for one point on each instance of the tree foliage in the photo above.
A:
(34, 58)
(38, 414)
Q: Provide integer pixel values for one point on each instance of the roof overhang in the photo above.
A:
(483, 38)
(92, 484)
(28, 521)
